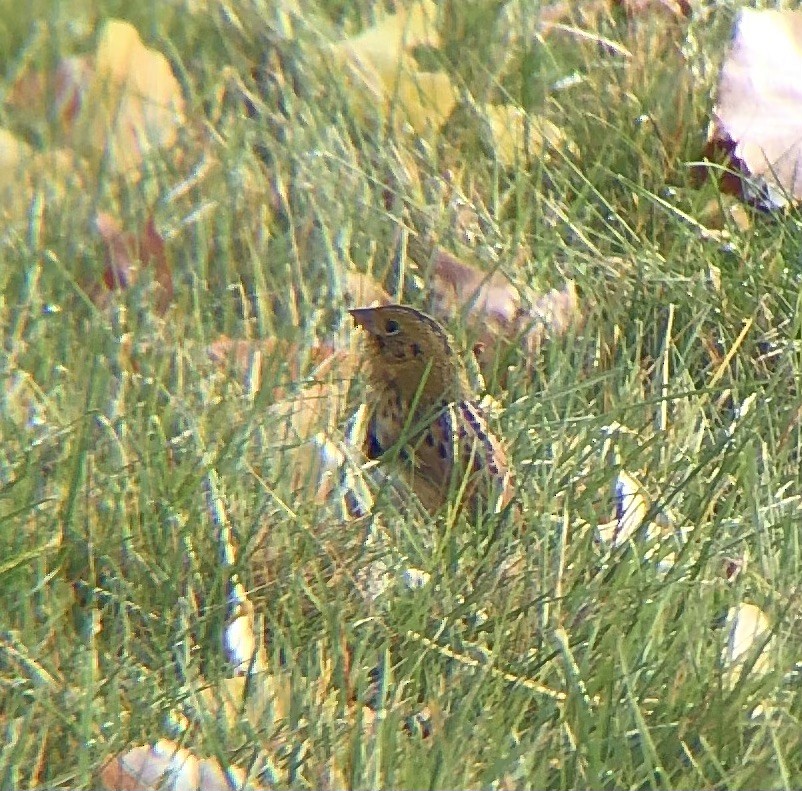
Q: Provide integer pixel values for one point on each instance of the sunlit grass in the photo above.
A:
(533, 657)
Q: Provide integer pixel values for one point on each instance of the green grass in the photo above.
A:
(577, 669)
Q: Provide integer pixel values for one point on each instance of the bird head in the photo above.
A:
(408, 347)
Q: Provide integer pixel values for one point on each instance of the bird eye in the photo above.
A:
(391, 328)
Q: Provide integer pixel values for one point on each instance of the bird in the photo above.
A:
(425, 417)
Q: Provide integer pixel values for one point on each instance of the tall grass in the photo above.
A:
(530, 658)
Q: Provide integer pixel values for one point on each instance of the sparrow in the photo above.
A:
(424, 415)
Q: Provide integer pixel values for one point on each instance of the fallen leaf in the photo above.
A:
(243, 649)
(165, 765)
(36, 94)
(316, 408)
(550, 316)
(517, 135)
(455, 285)
(498, 312)
(748, 628)
(73, 75)
(380, 59)
(487, 302)
(162, 765)
(756, 118)
(635, 520)
(128, 253)
(120, 104)
(426, 99)
(376, 53)
(134, 102)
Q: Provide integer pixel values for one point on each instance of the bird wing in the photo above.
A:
(482, 453)
(456, 444)
(426, 458)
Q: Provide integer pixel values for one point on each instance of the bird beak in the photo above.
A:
(363, 317)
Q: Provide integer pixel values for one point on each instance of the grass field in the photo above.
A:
(532, 659)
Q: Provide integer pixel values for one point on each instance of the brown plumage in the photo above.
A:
(425, 414)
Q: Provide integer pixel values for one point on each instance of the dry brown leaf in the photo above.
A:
(489, 303)
(456, 285)
(757, 119)
(127, 253)
(497, 311)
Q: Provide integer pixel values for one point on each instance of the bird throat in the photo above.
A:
(421, 388)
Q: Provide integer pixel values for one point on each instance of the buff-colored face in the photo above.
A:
(402, 337)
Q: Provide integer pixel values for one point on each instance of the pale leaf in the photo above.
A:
(757, 116)
(162, 765)
(380, 48)
(426, 99)
(167, 766)
(517, 135)
(748, 628)
(380, 59)
(122, 104)
(14, 154)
